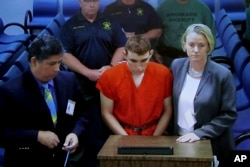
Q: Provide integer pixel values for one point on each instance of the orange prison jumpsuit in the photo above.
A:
(132, 105)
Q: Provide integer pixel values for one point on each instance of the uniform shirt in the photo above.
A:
(93, 43)
(133, 105)
(139, 17)
(177, 17)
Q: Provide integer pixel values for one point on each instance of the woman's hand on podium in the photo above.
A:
(189, 137)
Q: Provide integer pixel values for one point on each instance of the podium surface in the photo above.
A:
(196, 154)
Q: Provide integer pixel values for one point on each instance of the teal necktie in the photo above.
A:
(50, 102)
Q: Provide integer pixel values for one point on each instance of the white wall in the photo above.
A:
(14, 11)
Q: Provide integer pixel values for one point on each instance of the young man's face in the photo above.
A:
(138, 63)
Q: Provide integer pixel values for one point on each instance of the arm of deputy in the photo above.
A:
(75, 65)
(153, 33)
(118, 56)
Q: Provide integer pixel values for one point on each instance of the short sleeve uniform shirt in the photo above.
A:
(93, 43)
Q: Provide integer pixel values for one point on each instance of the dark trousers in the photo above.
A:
(96, 135)
(96, 130)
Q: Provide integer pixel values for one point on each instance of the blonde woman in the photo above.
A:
(203, 94)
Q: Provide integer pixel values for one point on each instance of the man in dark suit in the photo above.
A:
(32, 139)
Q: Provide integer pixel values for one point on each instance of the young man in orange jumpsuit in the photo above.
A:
(136, 94)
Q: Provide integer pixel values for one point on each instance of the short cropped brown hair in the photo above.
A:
(138, 44)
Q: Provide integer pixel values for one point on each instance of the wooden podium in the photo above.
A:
(196, 154)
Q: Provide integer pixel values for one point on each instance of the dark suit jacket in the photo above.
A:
(214, 103)
(24, 112)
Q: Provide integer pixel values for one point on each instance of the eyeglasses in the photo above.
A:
(89, 1)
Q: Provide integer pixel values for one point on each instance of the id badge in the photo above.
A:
(70, 107)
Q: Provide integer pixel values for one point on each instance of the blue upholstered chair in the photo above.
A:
(241, 128)
(221, 22)
(228, 32)
(225, 61)
(223, 25)
(42, 13)
(11, 73)
(69, 8)
(13, 49)
(6, 38)
(246, 80)
(59, 19)
(4, 57)
(242, 141)
(53, 28)
(235, 10)
(240, 60)
(22, 61)
(232, 45)
(243, 94)
(220, 16)
(43, 32)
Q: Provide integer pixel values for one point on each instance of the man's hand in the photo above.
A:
(48, 138)
(71, 143)
(104, 68)
(93, 75)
